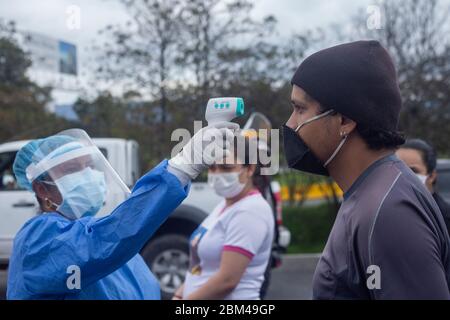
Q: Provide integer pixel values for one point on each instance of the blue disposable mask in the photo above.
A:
(83, 193)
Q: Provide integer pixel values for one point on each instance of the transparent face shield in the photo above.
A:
(78, 178)
(259, 130)
(258, 126)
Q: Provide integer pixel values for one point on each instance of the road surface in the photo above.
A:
(292, 281)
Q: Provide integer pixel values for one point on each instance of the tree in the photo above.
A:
(177, 54)
(416, 34)
(143, 52)
(220, 39)
(142, 55)
(103, 117)
(126, 117)
(22, 102)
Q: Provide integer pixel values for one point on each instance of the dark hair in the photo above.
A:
(250, 146)
(426, 150)
(376, 139)
(261, 182)
(380, 139)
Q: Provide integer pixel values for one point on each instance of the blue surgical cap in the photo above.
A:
(33, 152)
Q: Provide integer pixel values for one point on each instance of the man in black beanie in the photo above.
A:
(389, 240)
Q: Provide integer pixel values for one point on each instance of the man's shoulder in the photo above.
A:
(391, 186)
(408, 206)
(388, 197)
(370, 197)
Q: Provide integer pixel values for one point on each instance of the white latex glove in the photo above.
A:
(201, 151)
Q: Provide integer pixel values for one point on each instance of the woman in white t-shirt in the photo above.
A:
(230, 250)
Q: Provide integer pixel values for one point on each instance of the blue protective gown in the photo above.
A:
(106, 250)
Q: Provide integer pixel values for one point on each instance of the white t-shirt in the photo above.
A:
(246, 227)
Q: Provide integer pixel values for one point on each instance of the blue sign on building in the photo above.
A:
(67, 58)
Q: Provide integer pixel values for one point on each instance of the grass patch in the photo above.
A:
(309, 227)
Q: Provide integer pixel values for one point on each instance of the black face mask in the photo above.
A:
(298, 154)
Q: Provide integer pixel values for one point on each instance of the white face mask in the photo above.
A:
(227, 184)
(423, 178)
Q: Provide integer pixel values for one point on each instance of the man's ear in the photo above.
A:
(347, 125)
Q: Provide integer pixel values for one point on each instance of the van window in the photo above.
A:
(104, 151)
(7, 179)
(443, 181)
(136, 169)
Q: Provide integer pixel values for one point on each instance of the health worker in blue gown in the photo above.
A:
(86, 239)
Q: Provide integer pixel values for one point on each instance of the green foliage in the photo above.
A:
(309, 227)
(22, 103)
(13, 65)
(103, 117)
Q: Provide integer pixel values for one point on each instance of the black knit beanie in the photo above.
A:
(356, 79)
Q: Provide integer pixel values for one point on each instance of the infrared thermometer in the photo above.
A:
(223, 109)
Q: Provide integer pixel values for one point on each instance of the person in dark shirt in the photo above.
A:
(420, 157)
(389, 240)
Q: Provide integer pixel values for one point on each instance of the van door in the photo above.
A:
(134, 162)
(17, 205)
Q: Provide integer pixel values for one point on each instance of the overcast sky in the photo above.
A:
(49, 17)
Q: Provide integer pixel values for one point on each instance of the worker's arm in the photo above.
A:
(100, 246)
